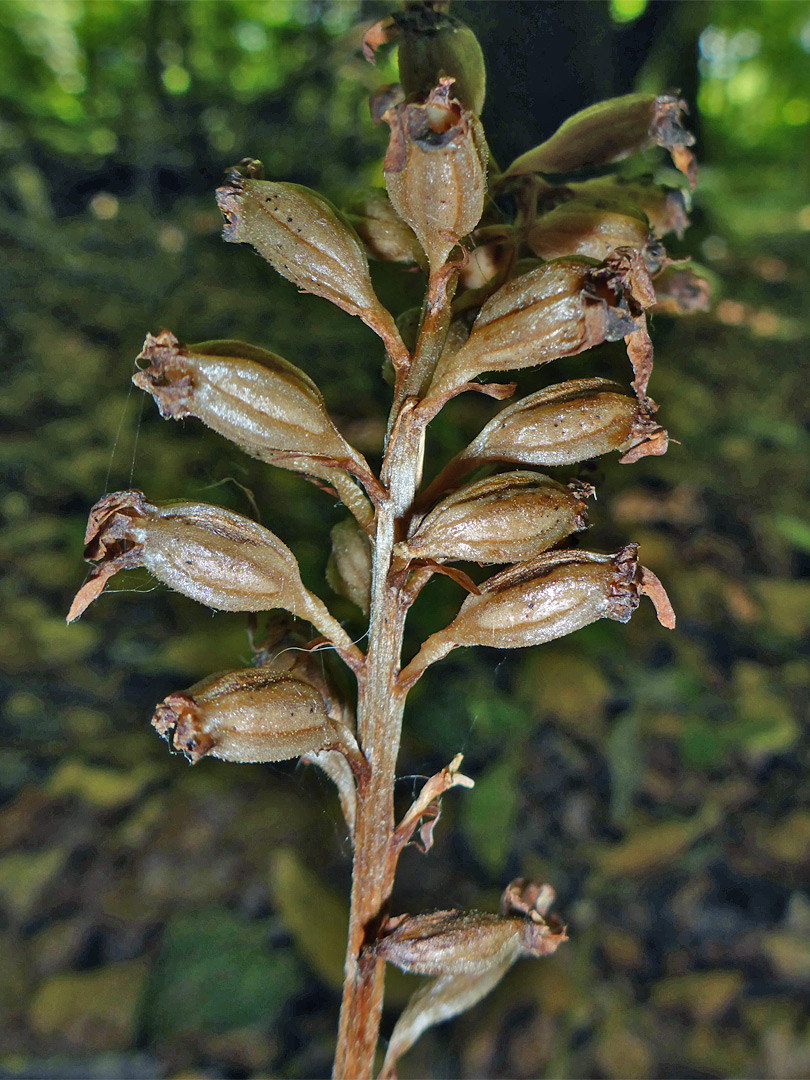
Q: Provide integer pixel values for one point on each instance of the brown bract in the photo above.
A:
(610, 131)
(435, 170)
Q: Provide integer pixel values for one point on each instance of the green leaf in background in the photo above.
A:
(795, 530)
(214, 973)
(489, 814)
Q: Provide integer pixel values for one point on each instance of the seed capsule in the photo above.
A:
(547, 598)
(216, 557)
(666, 207)
(507, 518)
(576, 228)
(349, 568)
(567, 423)
(249, 716)
(433, 44)
(306, 240)
(435, 170)
(383, 232)
(610, 131)
(559, 309)
(451, 943)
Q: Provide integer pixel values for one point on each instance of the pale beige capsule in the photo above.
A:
(216, 557)
(451, 942)
(507, 518)
(610, 131)
(349, 568)
(559, 309)
(383, 232)
(566, 423)
(435, 170)
(253, 715)
(575, 228)
(666, 207)
(546, 598)
(304, 238)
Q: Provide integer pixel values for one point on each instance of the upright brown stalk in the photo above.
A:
(558, 269)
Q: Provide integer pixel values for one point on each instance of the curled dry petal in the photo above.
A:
(537, 601)
(559, 309)
(216, 557)
(612, 130)
(435, 170)
(505, 518)
(249, 716)
(304, 238)
(566, 423)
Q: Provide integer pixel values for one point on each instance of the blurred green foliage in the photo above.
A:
(157, 918)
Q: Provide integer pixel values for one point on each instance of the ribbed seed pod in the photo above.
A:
(666, 207)
(610, 131)
(435, 170)
(451, 942)
(544, 599)
(349, 568)
(253, 715)
(305, 238)
(216, 557)
(577, 228)
(383, 232)
(566, 423)
(502, 519)
(433, 44)
(257, 400)
(559, 309)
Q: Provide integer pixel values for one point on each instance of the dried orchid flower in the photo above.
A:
(576, 263)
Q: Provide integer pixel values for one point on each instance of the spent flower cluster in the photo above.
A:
(562, 263)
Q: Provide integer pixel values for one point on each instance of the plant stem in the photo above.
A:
(379, 715)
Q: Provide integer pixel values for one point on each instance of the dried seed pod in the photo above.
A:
(434, 44)
(383, 232)
(547, 598)
(453, 993)
(216, 557)
(249, 716)
(266, 406)
(567, 423)
(450, 942)
(610, 131)
(507, 518)
(680, 291)
(304, 237)
(349, 568)
(577, 228)
(559, 309)
(435, 170)
(666, 207)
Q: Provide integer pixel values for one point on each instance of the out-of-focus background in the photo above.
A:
(159, 920)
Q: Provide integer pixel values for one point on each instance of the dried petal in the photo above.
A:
(249, 716)
(306, 240)
(567, 423)
(537, 601)
(610, 131)
(559, 309)
(349, 568)
(505, 518)
(435, 171)
(383, 232)
(216, 557)
(434, 44)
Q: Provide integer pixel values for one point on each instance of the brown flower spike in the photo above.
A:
(541, 261)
